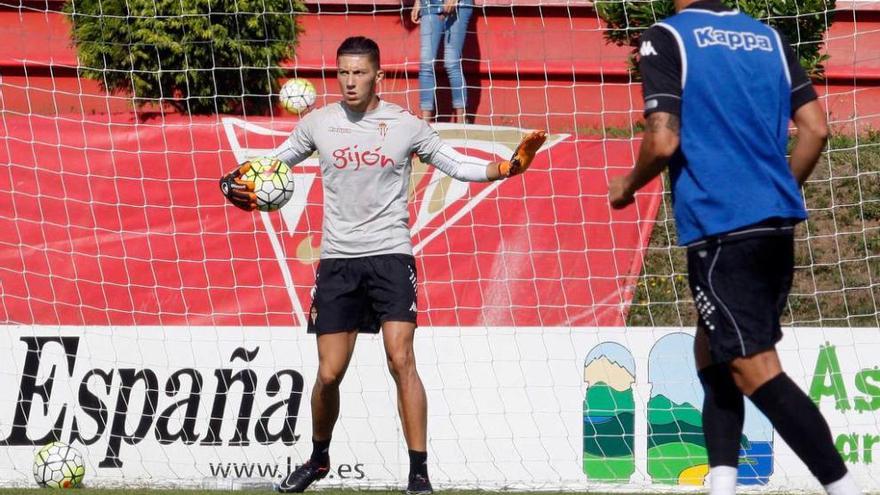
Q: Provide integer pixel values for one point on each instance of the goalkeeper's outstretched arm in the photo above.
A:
(470, 169)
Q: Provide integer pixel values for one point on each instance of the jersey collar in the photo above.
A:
(710, 5)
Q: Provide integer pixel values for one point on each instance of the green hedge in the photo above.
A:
(803, 22)
(199, 56)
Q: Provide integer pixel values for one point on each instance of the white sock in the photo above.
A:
(722, 480)
(843, 486)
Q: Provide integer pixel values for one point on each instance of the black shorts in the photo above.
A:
(740, 288)
(363, 293)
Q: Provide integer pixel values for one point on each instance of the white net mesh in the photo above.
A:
(160, 331)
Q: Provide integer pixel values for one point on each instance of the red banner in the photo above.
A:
(108, 222)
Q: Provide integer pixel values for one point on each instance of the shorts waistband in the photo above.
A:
(756, 231)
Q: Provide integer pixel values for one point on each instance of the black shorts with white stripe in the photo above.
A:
(740, 286)
(363, 293)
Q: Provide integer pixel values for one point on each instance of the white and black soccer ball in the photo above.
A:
(273, 182)
(297, 95)
(58, 465)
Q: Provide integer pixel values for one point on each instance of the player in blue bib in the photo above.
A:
(720, 89)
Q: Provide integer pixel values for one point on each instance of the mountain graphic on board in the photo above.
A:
(676, 445)
(676, 448)
(609, 414)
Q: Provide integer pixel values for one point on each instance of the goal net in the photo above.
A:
(160, 331)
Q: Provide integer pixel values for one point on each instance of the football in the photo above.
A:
(297, 95)
(58, 465)
(273, 182)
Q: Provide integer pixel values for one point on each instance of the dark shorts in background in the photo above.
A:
(740, 288)
(362, 293)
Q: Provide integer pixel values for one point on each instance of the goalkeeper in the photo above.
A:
(719, 90)
(366, 279)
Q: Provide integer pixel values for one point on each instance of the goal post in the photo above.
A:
(161, 332)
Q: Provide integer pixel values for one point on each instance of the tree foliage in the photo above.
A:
(199, 56)
(803, 22)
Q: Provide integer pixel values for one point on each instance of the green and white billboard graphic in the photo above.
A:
(676, 448)
(609, 413)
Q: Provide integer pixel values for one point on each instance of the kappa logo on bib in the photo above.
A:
(709, 36)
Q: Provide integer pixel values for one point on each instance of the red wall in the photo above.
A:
(535, 66)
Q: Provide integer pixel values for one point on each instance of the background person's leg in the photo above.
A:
(430, 34)
(453, 44)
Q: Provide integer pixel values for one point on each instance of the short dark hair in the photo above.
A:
(359, 45)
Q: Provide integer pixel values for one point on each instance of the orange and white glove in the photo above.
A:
(523, 155)
(239, 192)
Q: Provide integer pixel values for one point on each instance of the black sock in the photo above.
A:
(723, 415)
(321, 452)
(801, 425)
(418, 463)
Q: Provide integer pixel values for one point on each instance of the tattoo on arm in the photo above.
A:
(673, 124)
(659, 120)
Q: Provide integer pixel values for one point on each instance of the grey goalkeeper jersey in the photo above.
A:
(365, 165)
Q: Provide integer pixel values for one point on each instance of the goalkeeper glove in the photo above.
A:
(523, 155)
(239, 192)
